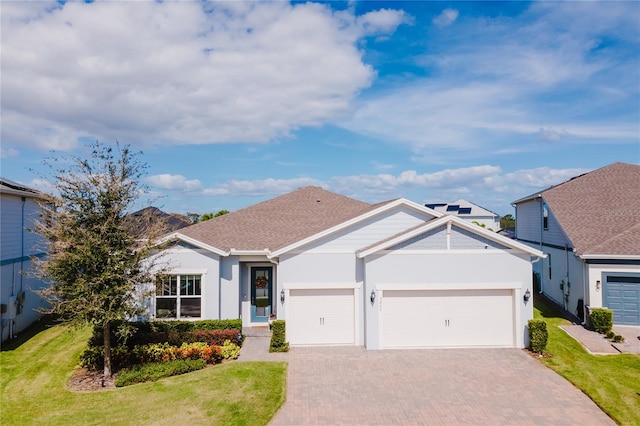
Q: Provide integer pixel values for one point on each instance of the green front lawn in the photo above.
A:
(612, 381)
(33, 380)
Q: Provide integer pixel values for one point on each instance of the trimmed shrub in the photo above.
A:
(157, 370)
(538, 336)
(610, 334)
(601, 320)
(278, 332)
(230, 350)
(618, 338)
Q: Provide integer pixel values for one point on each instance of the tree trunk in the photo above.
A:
(106, 333)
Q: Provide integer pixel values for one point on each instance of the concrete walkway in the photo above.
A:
(598, 344)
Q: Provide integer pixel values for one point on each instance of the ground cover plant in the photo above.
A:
(34, 377)
(611, 381)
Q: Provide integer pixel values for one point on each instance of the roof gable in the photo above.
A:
(277, 222)
(600, 211)
(468, 236)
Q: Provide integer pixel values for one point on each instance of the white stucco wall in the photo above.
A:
(453, 269)
(188, 260)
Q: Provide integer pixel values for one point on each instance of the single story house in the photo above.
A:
(470, 212)
(18, 301)
(344, 272)
(589, 227)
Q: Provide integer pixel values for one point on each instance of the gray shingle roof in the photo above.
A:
(600, 211)
(278, 222)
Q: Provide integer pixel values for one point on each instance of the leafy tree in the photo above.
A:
(95, 262)
(193, 217)
(507, 221)
(206, 217)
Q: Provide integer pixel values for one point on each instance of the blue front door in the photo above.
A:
(261, 288)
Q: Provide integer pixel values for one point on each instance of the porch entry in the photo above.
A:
(261, 292)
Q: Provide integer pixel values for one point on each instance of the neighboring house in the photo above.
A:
(18, 210)
(470, 212)
(152, 216)
(590, 228)
(344, 272)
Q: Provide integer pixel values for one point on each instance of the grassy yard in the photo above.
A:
(34, 375)
(612, 381)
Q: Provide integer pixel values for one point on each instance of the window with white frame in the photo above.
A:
(179, 296)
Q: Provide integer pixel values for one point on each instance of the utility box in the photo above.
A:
(11, 308)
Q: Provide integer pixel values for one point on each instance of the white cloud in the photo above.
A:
(178, 73)
(260, 187)
(9, 152)
(446, 18)
(514, 81)
(173, 182)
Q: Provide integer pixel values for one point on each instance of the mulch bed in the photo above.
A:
(84, 380)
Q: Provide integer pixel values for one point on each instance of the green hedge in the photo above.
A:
(601, 320)
(538, 336)
(157, 370)
(278, 333)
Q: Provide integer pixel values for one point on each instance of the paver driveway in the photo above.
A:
(350, 385)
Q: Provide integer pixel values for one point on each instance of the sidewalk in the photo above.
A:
(256, 346)
(597, 343)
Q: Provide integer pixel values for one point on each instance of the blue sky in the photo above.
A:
(233, 103)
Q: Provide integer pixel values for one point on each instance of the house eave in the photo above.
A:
(609, 256)
(180, 237)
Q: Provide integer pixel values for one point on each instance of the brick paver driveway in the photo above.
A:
(350, 385)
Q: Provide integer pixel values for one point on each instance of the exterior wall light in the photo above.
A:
(373, 296)
(527, 295)
(282, 296)
(598, 285)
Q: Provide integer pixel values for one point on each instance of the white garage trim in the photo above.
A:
(292, 286)
(447, 286)
(322, 316)
(448, 318)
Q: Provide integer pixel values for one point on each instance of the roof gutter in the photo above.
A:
(609, 256)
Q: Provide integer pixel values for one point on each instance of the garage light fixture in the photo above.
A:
(282, 296)
(527, 295)
(373, 296)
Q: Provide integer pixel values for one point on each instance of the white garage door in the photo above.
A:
(447, 318)
(321, 317)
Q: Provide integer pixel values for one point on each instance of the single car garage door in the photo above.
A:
(447, 318)
(622, 296)
(321, 317)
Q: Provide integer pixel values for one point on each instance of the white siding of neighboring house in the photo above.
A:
(529, 220)
(17, 244)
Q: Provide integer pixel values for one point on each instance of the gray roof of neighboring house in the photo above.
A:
(10, 187)
(599, 211)
(278, 222)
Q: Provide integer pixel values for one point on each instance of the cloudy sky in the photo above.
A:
(233, 103)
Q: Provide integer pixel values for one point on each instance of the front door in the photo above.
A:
(261, 287)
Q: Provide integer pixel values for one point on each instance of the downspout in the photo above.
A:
(541, 233)
(587, 297)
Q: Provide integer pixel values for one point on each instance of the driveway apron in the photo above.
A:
(353, 386)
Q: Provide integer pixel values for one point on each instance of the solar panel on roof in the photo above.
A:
(453, 208)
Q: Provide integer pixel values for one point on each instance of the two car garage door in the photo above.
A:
(447, 318)
(408, 318)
